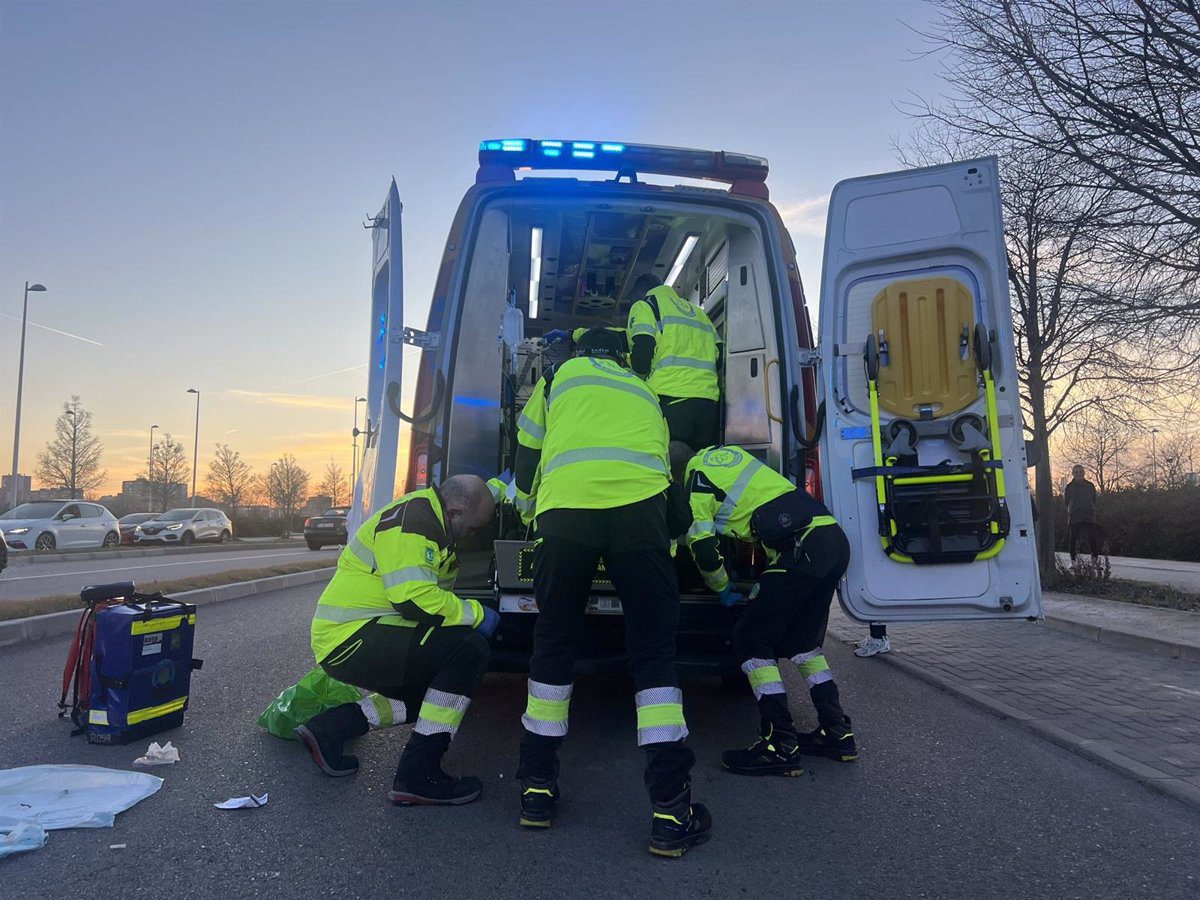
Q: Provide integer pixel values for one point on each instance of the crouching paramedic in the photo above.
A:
(593, 453)
(732, 493)
(388, 623)
(677, 350)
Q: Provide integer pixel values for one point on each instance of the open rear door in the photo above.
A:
(923, 455)
(377, 472)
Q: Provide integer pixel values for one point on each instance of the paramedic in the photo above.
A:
(732, 493)
(389, 623)
(593, 435)
(676, 349)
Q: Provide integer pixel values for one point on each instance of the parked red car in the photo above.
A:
(128, 523)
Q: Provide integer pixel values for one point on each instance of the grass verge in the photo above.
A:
(36, 606)
(1094, 579)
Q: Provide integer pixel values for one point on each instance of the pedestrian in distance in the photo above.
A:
(731, 493)
(1080, 497)
(592, 461)
(389, 623)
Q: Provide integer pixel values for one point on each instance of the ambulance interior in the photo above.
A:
(537, 267)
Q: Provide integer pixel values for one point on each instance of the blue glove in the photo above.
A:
(554, 336)
(491, 621)
(728, 596)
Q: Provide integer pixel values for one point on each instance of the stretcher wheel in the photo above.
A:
(956, 427)
(871, 358)
(983, 348)
(898, 425)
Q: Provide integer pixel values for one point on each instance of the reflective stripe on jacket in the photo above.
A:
(685, 350)
(399, 567)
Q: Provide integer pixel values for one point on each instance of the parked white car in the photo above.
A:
(185, 526)
(59, 524)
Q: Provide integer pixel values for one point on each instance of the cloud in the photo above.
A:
(806, 217)
(301, 401)
(55, 330)
(324, 375)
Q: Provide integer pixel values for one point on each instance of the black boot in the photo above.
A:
(835, 741)
(538, 798)
(420, 780)
(772, 754)
(326, 734)
(678, 825)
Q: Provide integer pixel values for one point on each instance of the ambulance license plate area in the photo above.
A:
(525, 603)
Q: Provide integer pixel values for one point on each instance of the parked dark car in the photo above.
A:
(327, 528)
(128, 525)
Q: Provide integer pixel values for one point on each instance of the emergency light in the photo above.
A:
(526, 153)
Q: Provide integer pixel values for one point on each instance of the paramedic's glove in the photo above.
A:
(553, 337)
(729, 597)
(491, 621)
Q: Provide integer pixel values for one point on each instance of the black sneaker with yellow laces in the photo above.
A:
(537, 802)
(832, 741)
(772, 754)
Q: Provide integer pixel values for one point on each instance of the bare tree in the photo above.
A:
(71, 460)
(229, 478)
(1110, 87)
(334, 484)
(1105, 442)
(286, 485)
(167, 469)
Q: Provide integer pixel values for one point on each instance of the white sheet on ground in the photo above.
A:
(70, 796)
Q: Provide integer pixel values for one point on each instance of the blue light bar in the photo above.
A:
(513, 146)
(583, 154)
(583, 145)
(490, 145)
(612, 148)
(551, 151)
(551, 143)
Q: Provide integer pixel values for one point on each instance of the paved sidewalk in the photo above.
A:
(1135, 712)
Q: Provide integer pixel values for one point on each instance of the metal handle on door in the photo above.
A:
(767, 390)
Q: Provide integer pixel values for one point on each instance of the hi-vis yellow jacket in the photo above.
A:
(398, 568)
(685, 345)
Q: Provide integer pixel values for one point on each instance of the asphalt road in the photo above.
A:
(945, 801)
(1182, 575)
(54, 578)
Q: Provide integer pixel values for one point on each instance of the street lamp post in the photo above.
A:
(20, 383)
(1154, 457)
(150, 473)
(74, 451)
(354, 457)
(195, 444)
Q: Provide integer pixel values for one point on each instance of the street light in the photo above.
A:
(20, 383)
(195, 444)
(74, 436)
(150, 474)
(354, 457)
(1154, 457)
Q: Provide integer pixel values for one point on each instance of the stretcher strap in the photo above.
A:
(902, 471)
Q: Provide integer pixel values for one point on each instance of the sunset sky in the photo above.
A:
(189, 180)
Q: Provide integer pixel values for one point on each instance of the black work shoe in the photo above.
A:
(678, 826)
(326, 733)
(772, 754)
(436, 789)
(537, 802)
(834, 742)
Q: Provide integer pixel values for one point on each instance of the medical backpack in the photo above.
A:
(129, 669)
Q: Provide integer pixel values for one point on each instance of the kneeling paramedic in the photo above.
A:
(593, 451)
(388, 623)
(732, 493)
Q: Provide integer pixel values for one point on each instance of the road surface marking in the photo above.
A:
(119, 568)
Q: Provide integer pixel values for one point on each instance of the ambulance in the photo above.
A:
(903, 412)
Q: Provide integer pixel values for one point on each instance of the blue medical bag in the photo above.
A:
(137, 650)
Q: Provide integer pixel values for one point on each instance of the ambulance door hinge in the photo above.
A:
(810, 356)
(426, 340)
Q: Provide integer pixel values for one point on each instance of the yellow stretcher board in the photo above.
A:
(927, 324)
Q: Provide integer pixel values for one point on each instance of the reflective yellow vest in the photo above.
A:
(398, 568)
(602, 437)
(685, 349)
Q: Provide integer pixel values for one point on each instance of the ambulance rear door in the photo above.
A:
(915, 272)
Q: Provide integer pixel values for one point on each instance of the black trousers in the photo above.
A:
(632, 541)
(1075, 529)
(786, 617)
(695, 421)
(403, 663)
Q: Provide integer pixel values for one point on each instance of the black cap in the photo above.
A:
(600, 342)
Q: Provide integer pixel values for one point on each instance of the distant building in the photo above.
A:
(316, 505)
(42, 494)
(136, 493)
(24, 488)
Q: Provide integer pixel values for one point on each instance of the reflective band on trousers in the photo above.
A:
(813, 667)
(547, 708)
(530, 427)
(764, 677)
(729, 504)
(407, 574)
(604, 454)
(660, 715)
(629, 387)
(441, 713)
(685, 362)
(362, 552)
(381, 711)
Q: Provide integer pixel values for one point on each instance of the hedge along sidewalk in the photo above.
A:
(31, 557)
(32, 628)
